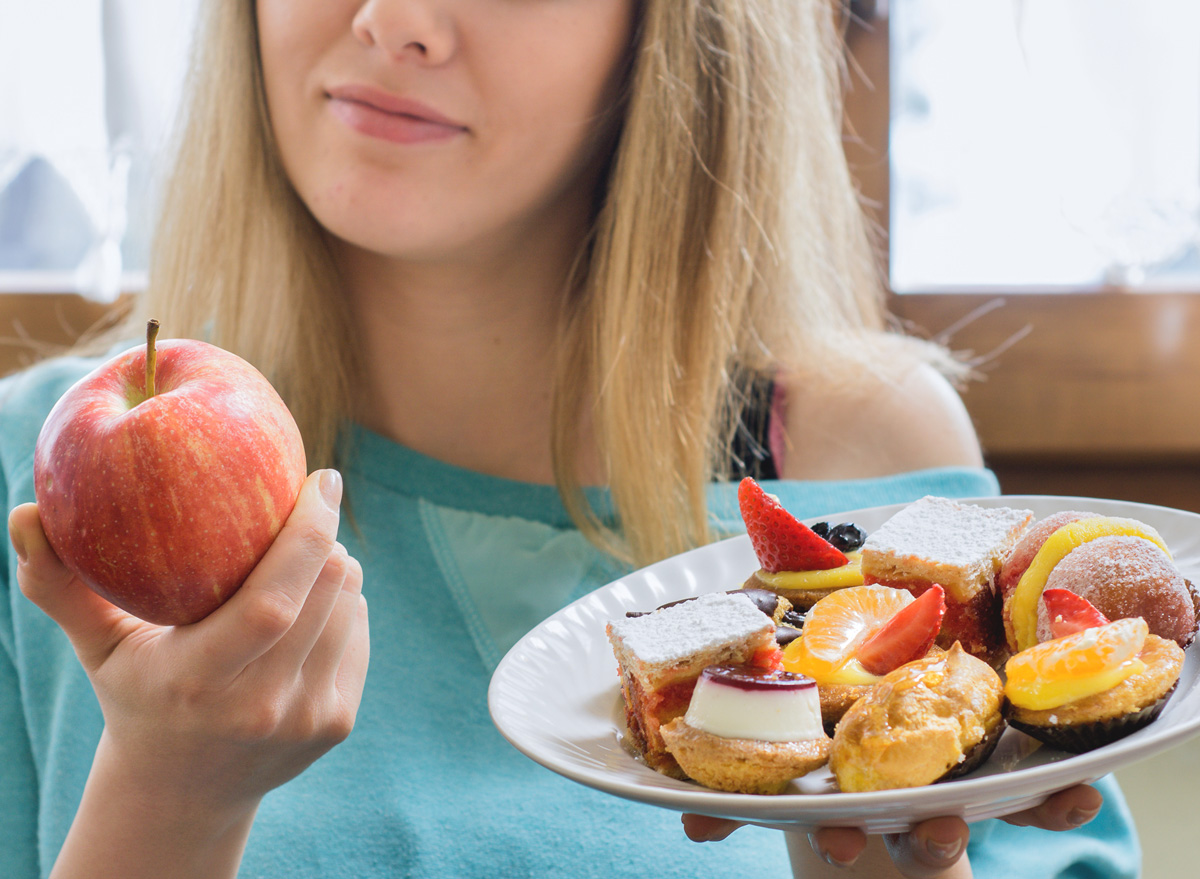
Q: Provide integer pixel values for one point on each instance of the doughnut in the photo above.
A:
(1128, 577)
(1026, 548)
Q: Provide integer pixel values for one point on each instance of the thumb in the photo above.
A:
(90, 622)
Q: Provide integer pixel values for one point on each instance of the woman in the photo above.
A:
(495, 254)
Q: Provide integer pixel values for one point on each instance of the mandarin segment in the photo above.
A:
(836, 626)
(1066, 669)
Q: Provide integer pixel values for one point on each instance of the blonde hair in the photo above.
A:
(728, 239)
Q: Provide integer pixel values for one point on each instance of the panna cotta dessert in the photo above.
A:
(660, 656)
(748, 703)
(749, 730)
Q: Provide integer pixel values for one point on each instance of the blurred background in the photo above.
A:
(1033, 168)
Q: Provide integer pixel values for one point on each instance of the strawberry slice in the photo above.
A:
(1070, 613)
(781, 541)
(906, 636)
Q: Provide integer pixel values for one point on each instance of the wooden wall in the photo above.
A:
(35, 325)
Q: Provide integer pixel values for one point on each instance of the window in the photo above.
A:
(96, 84)
(1033, 144)
(1044, 144)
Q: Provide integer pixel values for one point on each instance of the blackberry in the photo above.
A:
(847, 537)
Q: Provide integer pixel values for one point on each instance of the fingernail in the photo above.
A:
(943, 851)
(826, 856)
(331, 489)
(1079, 817)
(18, 543)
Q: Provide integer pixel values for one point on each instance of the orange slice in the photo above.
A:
(1064, 670)
(836, 626)
(1071, 536)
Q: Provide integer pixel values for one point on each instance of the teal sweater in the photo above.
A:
(457, 567)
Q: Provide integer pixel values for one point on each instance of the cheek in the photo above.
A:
(559, 109)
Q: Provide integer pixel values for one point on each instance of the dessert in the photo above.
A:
(660, 656)
(854, 636)
(1089, 685)
(1120, 565)
(959, 546)
(927, 721)
(796, 562)
(1026, 548)
(788, 622)
(749, 730)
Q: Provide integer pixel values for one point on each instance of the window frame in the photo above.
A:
(1125, 382)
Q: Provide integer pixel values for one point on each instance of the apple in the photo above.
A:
(163, 476)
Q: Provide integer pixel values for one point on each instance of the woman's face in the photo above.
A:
(443, 129)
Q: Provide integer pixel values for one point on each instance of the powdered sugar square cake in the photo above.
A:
(959, 546)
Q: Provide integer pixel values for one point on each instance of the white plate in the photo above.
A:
(556, 697)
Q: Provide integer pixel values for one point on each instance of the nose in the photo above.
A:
(423, 29)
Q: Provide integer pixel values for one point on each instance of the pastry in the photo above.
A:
(858, 634)
(927, 721)
(1093, 685)
(795, 561)
(1120, 565)
(660, 655)
(959, 546)
(788, 622)
(749, 730)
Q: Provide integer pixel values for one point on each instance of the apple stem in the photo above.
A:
(151, 355)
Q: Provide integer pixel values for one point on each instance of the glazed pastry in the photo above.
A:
(749, 730)
(1089, 686)
(927, 721)
(795, 561)
(959, 546)
(660, 656)
(1120, 565)
(858, 634)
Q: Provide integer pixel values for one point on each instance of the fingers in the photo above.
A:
(327, 652)
(314, 617)
(91, 623)
(704, 828)
(839, 846)
(352, 672)
(271, 600)
(1064, 810)
(930, 848)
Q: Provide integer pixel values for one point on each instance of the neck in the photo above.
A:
(461, 357)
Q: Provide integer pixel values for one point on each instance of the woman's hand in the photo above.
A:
(932, 847)
(202, 720)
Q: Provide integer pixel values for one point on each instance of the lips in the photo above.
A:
(379, 114)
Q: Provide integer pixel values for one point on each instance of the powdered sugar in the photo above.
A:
(1126, 576)
(948, 532)
(682, 630)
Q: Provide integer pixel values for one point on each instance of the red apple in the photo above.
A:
(163, 476)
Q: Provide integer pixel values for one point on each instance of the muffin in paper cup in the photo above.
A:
(1078, 738)
(1101, 718)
